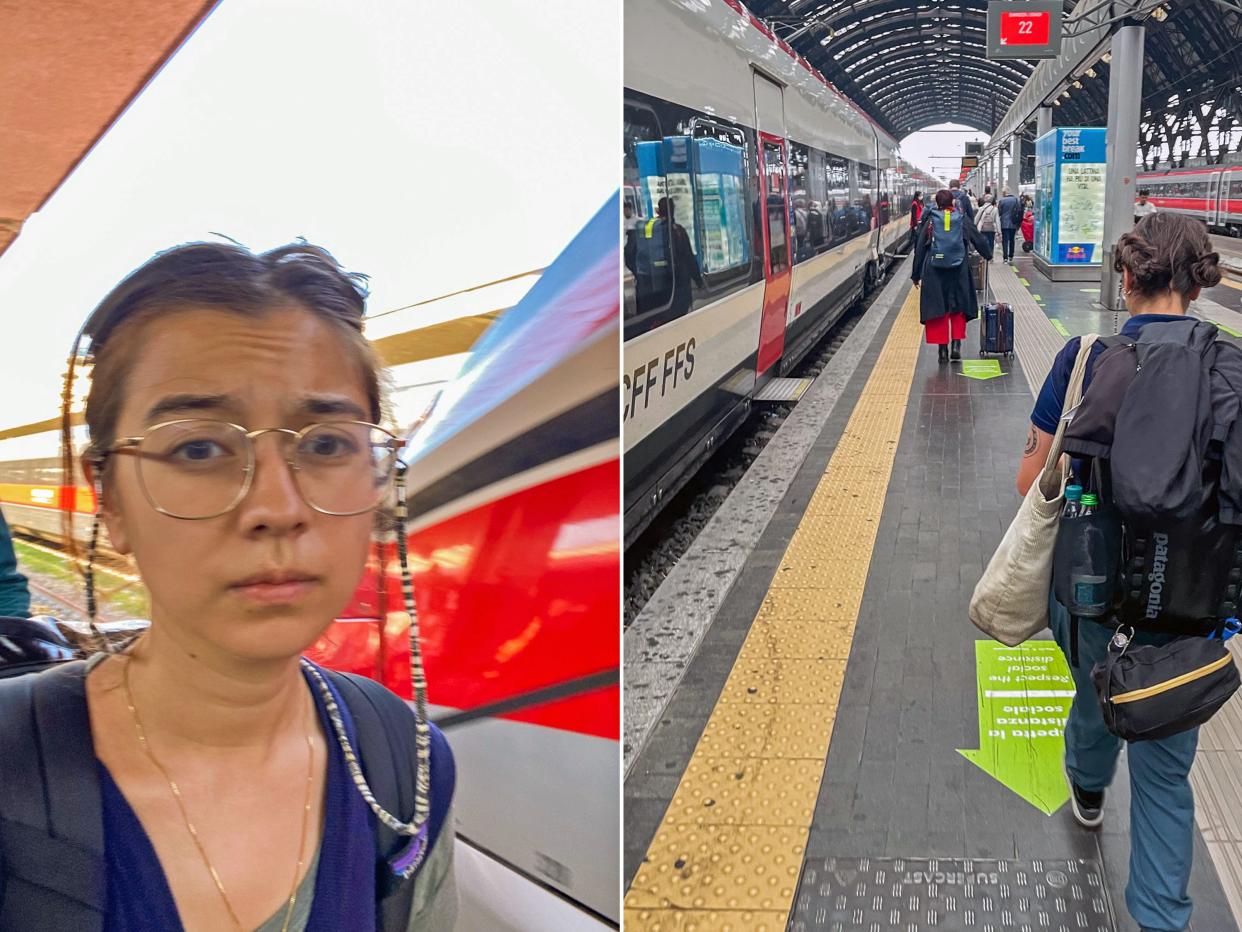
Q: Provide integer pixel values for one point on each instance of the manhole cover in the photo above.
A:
(975, 894)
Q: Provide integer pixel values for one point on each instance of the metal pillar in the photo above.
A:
(1043, 121)
(1015, 165)
(1125, 84)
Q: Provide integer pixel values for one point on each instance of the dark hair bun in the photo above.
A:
(1205, 271)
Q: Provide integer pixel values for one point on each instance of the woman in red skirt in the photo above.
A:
(948, 300)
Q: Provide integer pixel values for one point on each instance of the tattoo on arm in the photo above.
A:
(1032, 441)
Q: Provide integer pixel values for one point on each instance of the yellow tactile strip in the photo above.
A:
(727, 854)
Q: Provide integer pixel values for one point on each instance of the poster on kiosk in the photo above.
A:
(1069, 202)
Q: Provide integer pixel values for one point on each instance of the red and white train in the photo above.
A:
(787, 202)
(1212, 193)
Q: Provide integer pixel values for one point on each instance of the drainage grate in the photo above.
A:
(975, 894)
(784, 390)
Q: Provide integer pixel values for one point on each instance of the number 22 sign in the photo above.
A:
(1024, 29)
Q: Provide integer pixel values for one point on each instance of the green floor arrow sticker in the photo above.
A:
(1024, 696)
(981, 368)
(1060, 328)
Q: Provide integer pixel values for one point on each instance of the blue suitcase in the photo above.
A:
(996, 332)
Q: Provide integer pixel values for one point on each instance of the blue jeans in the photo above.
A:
(990, 236)
(1162, 806)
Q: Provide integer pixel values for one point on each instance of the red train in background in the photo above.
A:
(1212, 193)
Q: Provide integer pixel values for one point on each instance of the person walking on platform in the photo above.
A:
(14, 593)
(1143, 207)
(1165, 262)
(916, 214)
(1010, 209)
(961, 199)
(205, 775)
(947, 299)
(987, 222)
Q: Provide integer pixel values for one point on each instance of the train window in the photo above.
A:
(809, 191)
(1235, 187)
(649, 237)
(837, 201)
(774, 198)
(860, 196)
(884, 205)
(801, 200)
(720, 196)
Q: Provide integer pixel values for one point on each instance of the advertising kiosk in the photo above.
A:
(1069, 202)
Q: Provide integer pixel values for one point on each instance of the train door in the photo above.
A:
(774, 222)
(1213, 199)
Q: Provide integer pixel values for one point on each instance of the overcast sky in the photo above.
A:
(939, 149)
(434, 146)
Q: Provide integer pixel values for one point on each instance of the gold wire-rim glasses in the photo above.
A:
(132, 445)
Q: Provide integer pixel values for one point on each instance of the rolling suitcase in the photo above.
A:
(996, 329)
(996, 332)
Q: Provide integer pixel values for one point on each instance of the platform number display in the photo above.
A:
(1024, 29)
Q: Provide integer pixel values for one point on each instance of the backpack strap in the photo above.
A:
(52, 869)
(384, 727)
(1115, 339)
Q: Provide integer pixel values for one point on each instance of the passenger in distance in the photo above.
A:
(212, 774)
(1010, 209)
(988, 219)
(1143, 207)
(1165, 262)
(948, 299)
(965, 203)
(916, 214)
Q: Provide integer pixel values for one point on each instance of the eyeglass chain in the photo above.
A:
(407, 861)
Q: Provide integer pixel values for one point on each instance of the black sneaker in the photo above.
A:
(1088, 805)
(955, 354)
(942, 354)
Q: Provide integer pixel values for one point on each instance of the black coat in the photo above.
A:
(946, 291)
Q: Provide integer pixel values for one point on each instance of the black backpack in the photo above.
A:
(1159, 428)
(52, 868)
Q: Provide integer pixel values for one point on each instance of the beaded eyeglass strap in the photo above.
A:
(408, 860)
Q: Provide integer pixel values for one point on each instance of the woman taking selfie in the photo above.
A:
(206, 777)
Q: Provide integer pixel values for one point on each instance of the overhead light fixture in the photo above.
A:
(1065, 93)
(1077, 83)
(1091, 72)
(1159, 14)
(1056, 103)
(1106, 57)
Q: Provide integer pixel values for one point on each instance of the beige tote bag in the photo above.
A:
(1010, 603)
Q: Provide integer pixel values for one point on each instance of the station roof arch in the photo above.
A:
(911, 65)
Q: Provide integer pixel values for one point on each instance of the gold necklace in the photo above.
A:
(185, 816)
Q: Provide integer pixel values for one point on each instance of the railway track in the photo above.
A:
(654, 554)
(45, 593)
